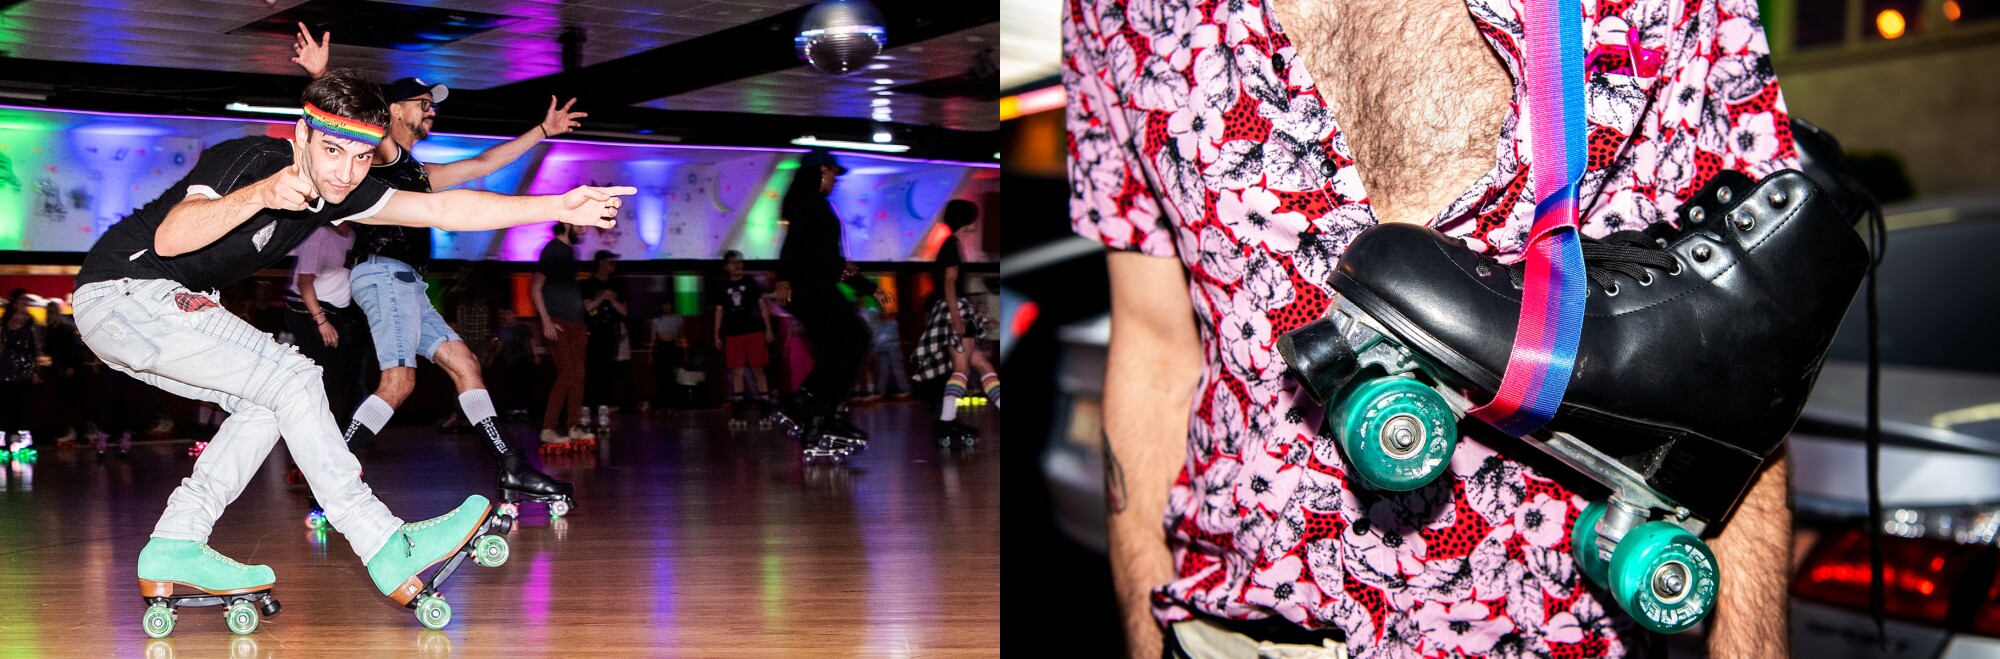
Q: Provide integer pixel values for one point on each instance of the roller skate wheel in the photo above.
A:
(1583, 543)
(158, 621)
(433, 612)
(242, 617)
(558, 508)
(971, 439)
(509, 510)
(1397, 432)
(490, 551)
(1664, 577)
(315, 520)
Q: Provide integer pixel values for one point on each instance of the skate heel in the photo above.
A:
(404, 594)
(1320, 357)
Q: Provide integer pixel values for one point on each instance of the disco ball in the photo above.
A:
(841, 36)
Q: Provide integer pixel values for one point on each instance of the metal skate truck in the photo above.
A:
(1700, 344)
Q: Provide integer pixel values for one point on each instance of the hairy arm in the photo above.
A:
(1154, 362)
(1754, 554)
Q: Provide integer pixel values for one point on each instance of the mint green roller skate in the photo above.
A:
(177, 573)
(398, 567)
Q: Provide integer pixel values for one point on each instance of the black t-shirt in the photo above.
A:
(559, 290)
(602, 318)
(411, 245)
(811, 257)
(126, 249)
(950, 254)
(741, 314)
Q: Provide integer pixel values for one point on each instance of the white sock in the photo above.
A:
(374, 413)
(478, 406)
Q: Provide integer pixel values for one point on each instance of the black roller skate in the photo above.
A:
(954, 431)
(838, 426)
(740, 411)
(520, 482)
(1699, 348)
(794, 413)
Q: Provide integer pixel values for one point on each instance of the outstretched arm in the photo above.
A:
(555, 122)
(473, 210)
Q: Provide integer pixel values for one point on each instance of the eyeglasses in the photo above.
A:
(423, 104)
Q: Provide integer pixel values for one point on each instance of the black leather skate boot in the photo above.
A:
(1699, 345)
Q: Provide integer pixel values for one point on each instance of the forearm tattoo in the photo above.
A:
(1114, 480)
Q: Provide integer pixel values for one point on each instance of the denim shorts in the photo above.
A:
(400, 315)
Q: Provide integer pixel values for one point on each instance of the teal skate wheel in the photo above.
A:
(243, 617)
(490, 551)
(1664, 577)
(1583, 543)
(1398, 433)
(433, 612)
(158, 621)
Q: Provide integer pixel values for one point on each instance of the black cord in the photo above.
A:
(1878, 238)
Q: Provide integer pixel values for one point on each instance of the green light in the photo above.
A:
(759, 238)
(687, 295)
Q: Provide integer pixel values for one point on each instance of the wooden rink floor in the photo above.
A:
(688, 539)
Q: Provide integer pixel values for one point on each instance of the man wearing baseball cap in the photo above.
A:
(811, 268)
(389, 262)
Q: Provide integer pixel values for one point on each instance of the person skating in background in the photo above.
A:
(890, 377)
(743, 333)
(604, 321)
(811, 268)
(669, 352)
(951, 339)
(20, 356)
(559, 306)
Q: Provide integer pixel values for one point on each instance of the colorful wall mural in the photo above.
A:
(67, 176)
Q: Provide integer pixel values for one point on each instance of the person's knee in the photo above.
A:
(397, 383)
(458, 361)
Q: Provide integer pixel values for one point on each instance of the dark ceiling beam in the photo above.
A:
(747, 50)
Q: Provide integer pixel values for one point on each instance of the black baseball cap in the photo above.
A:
(603, 254)
(409, 88)
(817, 157)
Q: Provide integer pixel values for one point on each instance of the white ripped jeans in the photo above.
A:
(183, 342)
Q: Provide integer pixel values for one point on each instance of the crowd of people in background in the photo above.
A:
(575, 358)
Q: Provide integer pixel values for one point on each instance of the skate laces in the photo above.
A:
(1628, 253)
(231, 562)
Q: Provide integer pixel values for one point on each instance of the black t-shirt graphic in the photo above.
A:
(741, 314)
(126, 249)
(411, 245)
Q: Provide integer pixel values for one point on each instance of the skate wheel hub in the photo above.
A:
(1402, 435)
(1670, 582)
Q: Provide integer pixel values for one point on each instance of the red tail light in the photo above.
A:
(1919, 575)
(1987, 619)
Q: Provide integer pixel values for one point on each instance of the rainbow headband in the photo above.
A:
(343, 127)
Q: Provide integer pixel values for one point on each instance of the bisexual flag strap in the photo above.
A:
(1553, 292)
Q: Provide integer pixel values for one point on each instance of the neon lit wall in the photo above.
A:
(65, 177)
